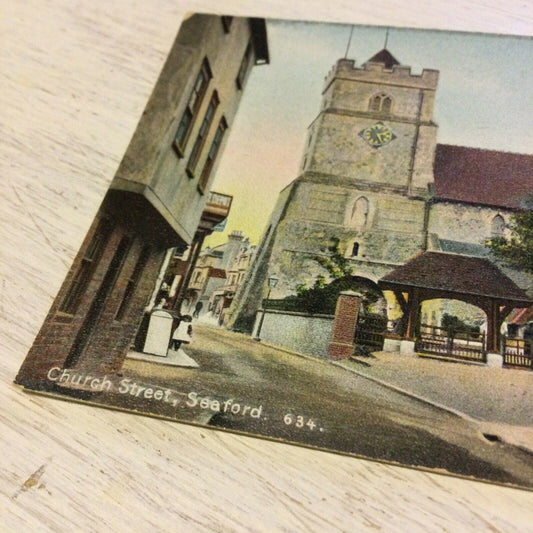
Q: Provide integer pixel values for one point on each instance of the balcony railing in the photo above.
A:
(219, 199)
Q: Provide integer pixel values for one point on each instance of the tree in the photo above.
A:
(322, 296)
(517, 249)
(335, 263)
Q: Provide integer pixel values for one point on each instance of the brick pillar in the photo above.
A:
(343, 333)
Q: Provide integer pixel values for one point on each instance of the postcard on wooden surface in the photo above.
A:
(318, 234)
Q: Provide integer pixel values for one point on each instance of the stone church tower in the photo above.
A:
(365, 180)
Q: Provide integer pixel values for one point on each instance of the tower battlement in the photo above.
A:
(377, 72)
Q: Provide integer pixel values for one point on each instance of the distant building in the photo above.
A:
(182, 264)
(205, 280)
(374, 180)
(217, 274)
(221, 299)
(156, 201)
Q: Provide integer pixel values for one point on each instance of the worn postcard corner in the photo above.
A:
(319, 234)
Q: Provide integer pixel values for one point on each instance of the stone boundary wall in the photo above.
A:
(301, 332)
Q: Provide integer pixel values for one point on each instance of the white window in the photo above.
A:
(497, 226)
(359, 214)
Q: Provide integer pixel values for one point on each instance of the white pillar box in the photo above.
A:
(158, 334)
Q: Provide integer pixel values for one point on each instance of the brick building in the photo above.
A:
(155, 201)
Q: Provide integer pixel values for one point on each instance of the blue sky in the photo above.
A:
(484, 99)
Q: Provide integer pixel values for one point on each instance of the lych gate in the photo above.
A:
(473, 280)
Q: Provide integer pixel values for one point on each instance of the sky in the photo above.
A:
(484, 100)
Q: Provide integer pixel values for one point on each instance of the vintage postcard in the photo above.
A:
(319, 234)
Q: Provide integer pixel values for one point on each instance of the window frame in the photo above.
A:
(79, 283)
(211, 158)
(376, 103)
(497, 226)
(203, 134)
(194, 103)
(360, 213)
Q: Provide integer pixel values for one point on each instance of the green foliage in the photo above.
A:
(318, 299)
(454, 325)
(517, 250)
(335, 263)
(321, 297)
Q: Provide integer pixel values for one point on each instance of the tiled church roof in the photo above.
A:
(520, 316)
(454, 273)
(486, 177)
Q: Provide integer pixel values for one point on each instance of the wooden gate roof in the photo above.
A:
(451, 275)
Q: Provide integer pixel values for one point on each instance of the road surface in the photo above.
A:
(245, 386)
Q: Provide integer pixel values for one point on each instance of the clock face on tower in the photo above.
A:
(377, 135)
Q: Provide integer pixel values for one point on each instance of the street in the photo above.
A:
(245, 386)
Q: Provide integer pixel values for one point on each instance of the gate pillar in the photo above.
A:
(343, 332)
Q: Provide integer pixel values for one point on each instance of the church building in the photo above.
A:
(374, 180)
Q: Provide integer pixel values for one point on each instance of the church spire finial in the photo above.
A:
(386, 39)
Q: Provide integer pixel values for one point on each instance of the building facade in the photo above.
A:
(217, 275)
(374, 180)
(221, 299)
(155, 201)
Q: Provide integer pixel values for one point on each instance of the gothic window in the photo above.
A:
(380, 103)
(359, 215)
(497, 226)
(193, 105)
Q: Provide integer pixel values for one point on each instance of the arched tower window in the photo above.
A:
(359, 217)
(355, 249)
(380, 103)
(497, 226)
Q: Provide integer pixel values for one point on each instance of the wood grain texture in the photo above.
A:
(75, 79)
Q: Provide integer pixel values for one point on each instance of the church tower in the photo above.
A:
(375, 126)
(365, 180)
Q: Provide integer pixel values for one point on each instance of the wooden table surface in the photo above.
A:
(75, 79)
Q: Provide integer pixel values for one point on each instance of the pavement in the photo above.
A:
(500, 400)
(173, 358)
